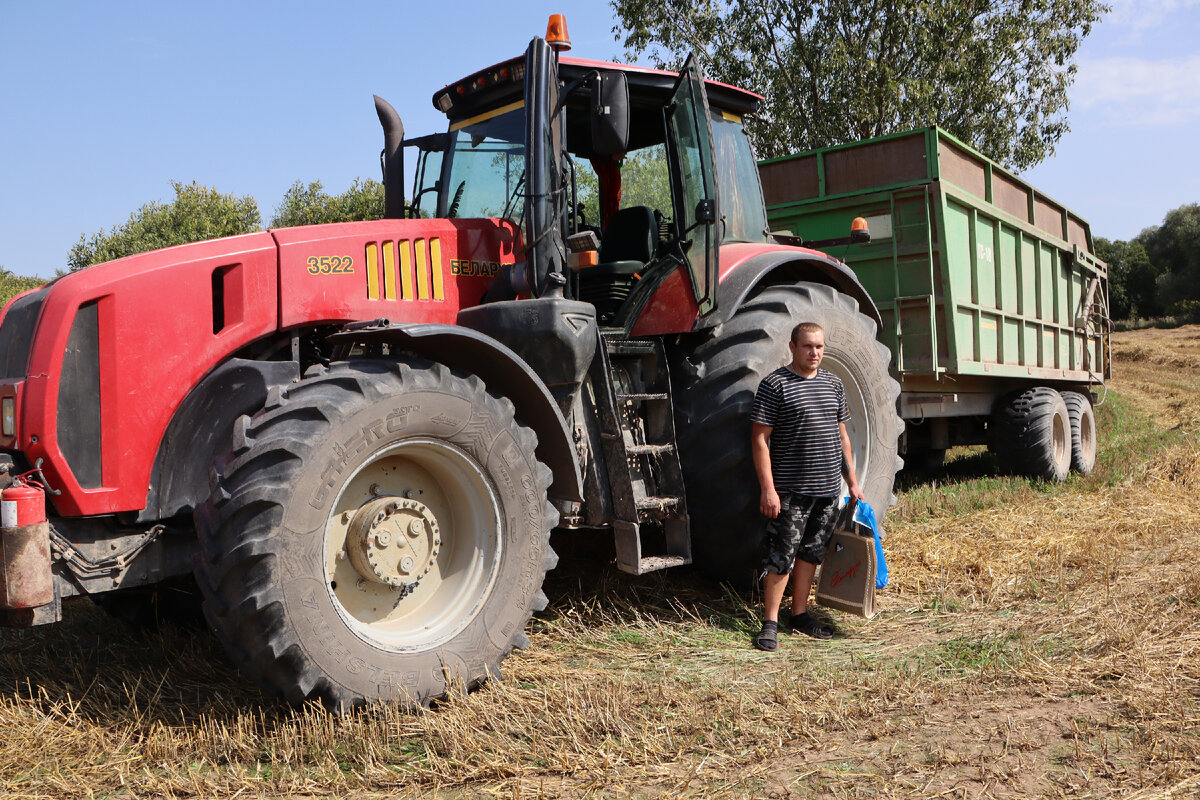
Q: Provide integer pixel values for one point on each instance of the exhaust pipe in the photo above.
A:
(391, 159)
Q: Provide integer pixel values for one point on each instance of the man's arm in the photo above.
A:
(848, 464)
(760, 448)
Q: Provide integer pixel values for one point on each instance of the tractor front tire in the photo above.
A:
(379, 531)
(1031, 434)
(1083, 432)
(715, 382)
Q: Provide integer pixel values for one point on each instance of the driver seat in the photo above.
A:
(630, 242)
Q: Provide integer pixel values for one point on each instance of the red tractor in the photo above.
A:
(358, 437)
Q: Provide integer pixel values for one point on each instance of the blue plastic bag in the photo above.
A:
(865, 515)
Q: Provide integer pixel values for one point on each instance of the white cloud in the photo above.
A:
(1125, 90)
(1139, 15)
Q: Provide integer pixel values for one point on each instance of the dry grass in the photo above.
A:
(1048, 647)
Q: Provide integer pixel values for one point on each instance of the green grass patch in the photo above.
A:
(970, 653)
(970, 480)
(1127, 438)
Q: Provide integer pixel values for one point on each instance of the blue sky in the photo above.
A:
(105, 103)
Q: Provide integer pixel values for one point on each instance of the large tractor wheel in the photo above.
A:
(1031, 433)
(715, 383)
(380, 530)
(1083, 432)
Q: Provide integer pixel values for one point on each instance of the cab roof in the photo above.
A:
(503, 83)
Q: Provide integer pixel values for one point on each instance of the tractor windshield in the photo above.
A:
(484, 173)
(742, 208)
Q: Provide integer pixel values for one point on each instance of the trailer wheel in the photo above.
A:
(380, 530)
(715, 382)
(1083, 432)
(1031, 433)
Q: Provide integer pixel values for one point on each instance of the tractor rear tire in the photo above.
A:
(380, 531)
(1083, 432)
(1031, 434)
(715, 382)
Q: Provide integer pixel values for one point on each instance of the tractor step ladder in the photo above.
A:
(637, 430)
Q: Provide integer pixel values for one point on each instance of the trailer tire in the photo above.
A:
(379, 531)
(715, 379)
(1031, 433)
(1083, 432)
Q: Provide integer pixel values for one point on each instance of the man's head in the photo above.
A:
(808, 348)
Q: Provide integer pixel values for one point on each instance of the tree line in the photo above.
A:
(201, 212)
(1154, 275)
(1157, 273)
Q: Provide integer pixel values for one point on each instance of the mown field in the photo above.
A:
(1037, 641)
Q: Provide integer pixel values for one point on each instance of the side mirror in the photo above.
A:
(610, 113)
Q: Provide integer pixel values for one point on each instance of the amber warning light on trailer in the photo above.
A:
(556, 33)
(859, 232)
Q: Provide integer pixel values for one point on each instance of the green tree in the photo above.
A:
(994, 73)
(645, 181)
(312, 205)
(1132, 279)
(12, 285)
(196, 213)
(1174, 247)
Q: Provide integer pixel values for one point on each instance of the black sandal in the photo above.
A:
(768, 637)
(810, 626)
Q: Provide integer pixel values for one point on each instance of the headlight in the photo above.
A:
(8, 411)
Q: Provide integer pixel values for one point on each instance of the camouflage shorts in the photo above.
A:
(802, 530)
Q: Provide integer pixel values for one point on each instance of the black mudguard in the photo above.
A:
(784, 266)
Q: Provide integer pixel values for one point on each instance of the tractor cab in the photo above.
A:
(618, 178)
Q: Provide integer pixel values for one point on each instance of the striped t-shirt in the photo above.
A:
(806, 444)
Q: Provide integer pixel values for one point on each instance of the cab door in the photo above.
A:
(693, 181)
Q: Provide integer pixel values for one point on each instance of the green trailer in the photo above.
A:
(993, 304)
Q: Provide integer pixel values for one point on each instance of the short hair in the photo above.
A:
(806, 327)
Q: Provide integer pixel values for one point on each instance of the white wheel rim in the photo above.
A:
(451, 486)
(1061, 439)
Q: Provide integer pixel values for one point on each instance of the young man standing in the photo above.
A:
(801, 452)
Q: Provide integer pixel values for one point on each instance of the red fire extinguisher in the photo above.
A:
(22, 503)
(26, 580)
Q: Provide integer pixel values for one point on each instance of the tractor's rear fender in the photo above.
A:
(502, 370)
(747, 267)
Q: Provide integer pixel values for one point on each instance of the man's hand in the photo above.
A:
(760, 450)
(768, 503)
(852, 486)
